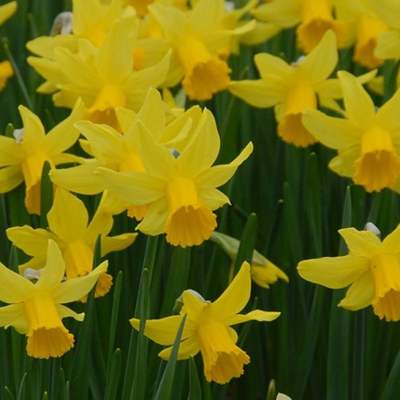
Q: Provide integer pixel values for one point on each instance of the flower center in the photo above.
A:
(291, 129)
(204, 74)
(385, 269)
(223, 360)
(316, 21)
(190, 221)
(378, 165)
(108, 99)
(47, 336)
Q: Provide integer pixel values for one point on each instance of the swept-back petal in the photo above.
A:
(136, 188)
(81, 179)
(10, 178)
(359, 106)
(236, 296)
(205, 16)
(115, 243)
(202, 151)
(101, 224)
(361, 243)
(257, 315)
(53, 272)
(335, 133)
(157, 159)
(10, 152)
(33, 242)
(333, 272)
(213, 197)
(268, 65)
(171, 19)
(67, 312)
(187, 348)
(391, 243)
(163, 331)
(322, 60)
(14, 288)
(360, 294)
(155, 218)
(386, 116)
(68, 217)
(75, 288)
(7, 10)
(260, 93)
(343, 164)
(220, 174)
(64, 135)
(33, 130)
(11, 315)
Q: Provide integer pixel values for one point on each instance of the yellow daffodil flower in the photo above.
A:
(372, 268)
(366, 28)
(104, 77)
(263, 271)
(36, 309)
(388, 42)
(180, 188)
(293, 88)
(367, 140)
(196, 39)
(69, 228)
(7, 11)
(22, 158)
(208, 329)
(121, 152)
(312, 17)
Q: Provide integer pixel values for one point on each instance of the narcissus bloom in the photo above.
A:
(293, 88)
(388, 42)
(22, 159)
(36, 309)
(367, 140)
(372, 268)
(263, 271)
(312, 17)
(180, 188)
(120, 152)
(208, 329)
(69, 227)
(196, 40)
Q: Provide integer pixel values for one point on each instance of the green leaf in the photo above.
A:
(194, 381)
(164, 390)
(46, 195)
(113, 376)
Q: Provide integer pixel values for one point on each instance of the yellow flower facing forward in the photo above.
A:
(312, 17)
(208, 329)
(22, 158)
(293, 88)
(37, 310)
(263, 271)
(196, 40)
(120, 152)
(180, 188)
(104, 77)
(372, 268)
(367, 140)
(69, 227)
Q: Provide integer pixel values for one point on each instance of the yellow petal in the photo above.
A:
(155, 218)
(360, 294)
(187, 348)
(13, 287)
(10, 178)
(75, 288)
(333, 272)
(163, 331)
(256, 315)
(218, 175)
(7, 11)
(34, 133)
(268, 65)
(236, 296)
(68, 217)
(361, 243)
(116, 243)
(12, 315)
(10, 152)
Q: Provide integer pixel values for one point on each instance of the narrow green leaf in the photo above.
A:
(9, 395)
(164, 390)
(113, 376)
(194, 381)
(46, 195)
(114, 317)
